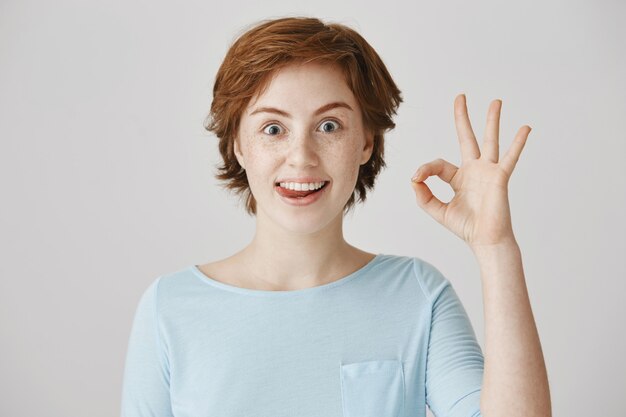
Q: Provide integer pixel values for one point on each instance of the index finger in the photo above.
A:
(467, 140)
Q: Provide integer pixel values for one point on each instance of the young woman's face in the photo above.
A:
(305, 128)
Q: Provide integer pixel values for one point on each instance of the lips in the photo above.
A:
(298, 194)
(301, 198)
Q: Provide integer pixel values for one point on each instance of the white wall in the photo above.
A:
(106, 173)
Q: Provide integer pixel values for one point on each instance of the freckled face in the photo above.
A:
(302, 141)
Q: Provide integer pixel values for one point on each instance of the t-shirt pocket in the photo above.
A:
(372, 388)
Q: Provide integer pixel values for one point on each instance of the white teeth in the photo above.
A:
(306, 186)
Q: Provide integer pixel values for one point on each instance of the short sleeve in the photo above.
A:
(455, 362)
(145, 391)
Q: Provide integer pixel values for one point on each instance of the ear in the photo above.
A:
(238, 153)
(368, 148)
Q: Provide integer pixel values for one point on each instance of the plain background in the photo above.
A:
(107, 174)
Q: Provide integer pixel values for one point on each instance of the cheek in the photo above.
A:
(260, 163)
(254, 154)
(257, 148)
(347, 161)
(356, 150)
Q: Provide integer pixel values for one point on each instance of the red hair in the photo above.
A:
(274, 44)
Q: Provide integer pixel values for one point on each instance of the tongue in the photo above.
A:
(293, 193)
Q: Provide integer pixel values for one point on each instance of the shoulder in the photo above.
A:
(171, 286)
(430, 279)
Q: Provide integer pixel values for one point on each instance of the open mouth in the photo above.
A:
(285, 192)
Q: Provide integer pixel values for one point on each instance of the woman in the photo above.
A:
(300, 322)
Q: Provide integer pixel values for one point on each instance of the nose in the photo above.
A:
(302, 150)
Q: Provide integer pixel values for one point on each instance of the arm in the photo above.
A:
(454, 361)
(515, 381)
(145, 391)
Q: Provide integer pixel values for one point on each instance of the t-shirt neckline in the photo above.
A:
(285, 293)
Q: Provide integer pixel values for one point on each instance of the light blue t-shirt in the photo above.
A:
(384, 341)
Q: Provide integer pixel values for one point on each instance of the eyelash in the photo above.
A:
(326, 120)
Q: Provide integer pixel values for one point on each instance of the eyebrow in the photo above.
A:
(321, 110)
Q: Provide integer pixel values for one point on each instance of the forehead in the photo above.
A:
(304, 87)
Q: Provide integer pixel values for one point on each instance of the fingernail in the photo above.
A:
(415, 176)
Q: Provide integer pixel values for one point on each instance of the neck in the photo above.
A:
(287, 259)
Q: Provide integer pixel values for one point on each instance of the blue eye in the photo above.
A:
(326, 124)
(274, 129)
(274, 132)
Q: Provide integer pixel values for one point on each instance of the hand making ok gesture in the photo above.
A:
(479, 212)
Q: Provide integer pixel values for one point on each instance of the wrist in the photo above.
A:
(505, 244)
(501, 250)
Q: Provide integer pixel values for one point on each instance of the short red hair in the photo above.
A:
(274, 44)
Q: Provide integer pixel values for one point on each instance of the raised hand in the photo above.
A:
(479, 212)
